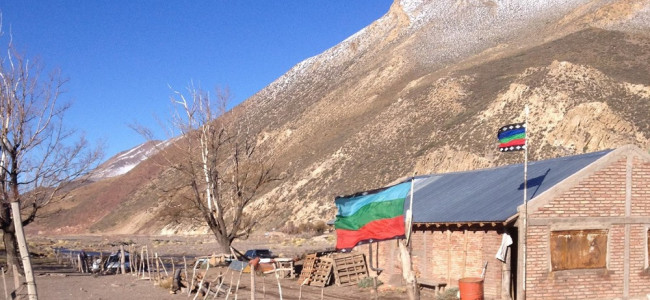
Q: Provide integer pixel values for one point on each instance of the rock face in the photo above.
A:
(423, 89)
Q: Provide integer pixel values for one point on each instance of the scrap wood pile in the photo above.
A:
(345, 269)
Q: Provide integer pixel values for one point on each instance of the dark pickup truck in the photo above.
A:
(261, 253)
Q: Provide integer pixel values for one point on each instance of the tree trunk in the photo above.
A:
(223, 242)
(11, 246)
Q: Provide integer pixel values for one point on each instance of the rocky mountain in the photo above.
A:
(423, 89)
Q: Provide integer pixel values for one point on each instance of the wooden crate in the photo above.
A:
(307, 269)
(349, 268)
(322, 272)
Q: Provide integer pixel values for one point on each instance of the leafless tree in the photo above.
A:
(39, 157)
(224, 167)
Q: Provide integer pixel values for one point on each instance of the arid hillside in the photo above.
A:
(423, 89)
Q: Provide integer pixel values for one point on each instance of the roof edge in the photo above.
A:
(569, 182)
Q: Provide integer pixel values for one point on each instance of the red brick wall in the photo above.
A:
(603, 194)
(639, 273)
(641, 189)
(448, 255)
(542, 283)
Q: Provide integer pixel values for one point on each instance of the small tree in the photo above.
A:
(221, 161)
(38, 156)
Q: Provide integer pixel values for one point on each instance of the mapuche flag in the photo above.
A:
(512, 137)
(370, 216)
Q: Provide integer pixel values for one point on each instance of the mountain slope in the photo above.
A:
(423, 89)
(124, 161)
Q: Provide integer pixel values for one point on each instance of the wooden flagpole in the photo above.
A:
(525, 220)
(413, 292)
(409, 217)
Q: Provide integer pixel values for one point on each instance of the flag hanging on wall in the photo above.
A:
(512, 137)
(370, 216)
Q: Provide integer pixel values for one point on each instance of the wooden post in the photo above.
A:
(238, 280)
(277, 278)
(155, 257)
(148, 263)
(136, 261)
(122, 259)
(132, 259)
(220, 278)
(16, 277)
(465, 234)
(252, 282)
(407, 272)
(24, 251)
(185, 268)
(4, 282)
(505, 275)
(374, 286)
(230, 286)
(173, 266)
(79, 264)
(189, 288)
(163, 266)
(200, 287)
(142, 260)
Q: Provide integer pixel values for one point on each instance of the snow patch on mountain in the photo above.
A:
(125, 161)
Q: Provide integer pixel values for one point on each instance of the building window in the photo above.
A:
(578, 249)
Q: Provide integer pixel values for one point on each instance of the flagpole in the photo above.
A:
(409, 217)
(525, 219)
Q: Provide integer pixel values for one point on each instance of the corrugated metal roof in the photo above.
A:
(489, 195)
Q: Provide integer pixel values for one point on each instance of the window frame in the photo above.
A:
(578, 227)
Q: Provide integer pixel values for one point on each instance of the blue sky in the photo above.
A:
(120, 56)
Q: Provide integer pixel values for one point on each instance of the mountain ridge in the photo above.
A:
(423, 89)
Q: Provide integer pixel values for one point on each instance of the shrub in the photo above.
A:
(304, 227)
(448, 294)
(319, 227)
(290, 228)
(368, 282)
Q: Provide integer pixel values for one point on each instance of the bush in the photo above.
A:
(290, 228)
(448, 294)
(319, 227)
(368, 282)
(304, 227)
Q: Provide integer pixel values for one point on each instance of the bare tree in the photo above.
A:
(221, 161)
(39, 158)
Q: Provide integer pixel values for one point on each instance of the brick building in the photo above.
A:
(588, 225)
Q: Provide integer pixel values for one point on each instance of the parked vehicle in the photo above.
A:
(265, 263)
(112, 263)
(261, 253)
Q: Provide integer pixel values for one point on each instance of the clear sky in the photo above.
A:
(120, 56)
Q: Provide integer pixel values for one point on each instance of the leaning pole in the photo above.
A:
(24, 252)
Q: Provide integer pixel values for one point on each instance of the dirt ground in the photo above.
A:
(69, 285)
(57, 279)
